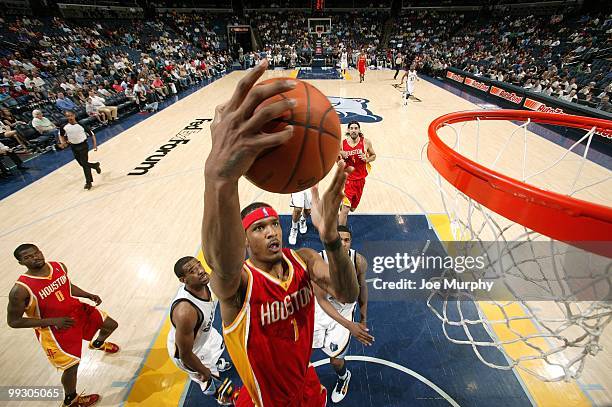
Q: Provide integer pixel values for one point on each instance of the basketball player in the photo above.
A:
(411, 78)
(301, 202)
(267, 301)
(343, 61)
(61, 322)
(75, 134)
(361, 66)
(334, 320)
(357, 152)
(193, 344)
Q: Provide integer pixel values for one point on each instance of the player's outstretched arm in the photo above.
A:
(362, 267)
(338, 277)
(237, 140)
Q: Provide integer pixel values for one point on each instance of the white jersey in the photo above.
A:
(344, 58)
(206, 316)
(412, 76)
(341, 306)
(329, 335)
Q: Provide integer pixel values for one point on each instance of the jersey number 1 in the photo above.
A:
(295, 329)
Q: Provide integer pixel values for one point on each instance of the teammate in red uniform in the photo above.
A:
(267, 302)
(61, 322)
(361, 66)
(357, 152)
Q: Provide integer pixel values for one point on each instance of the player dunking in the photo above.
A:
(267, 302)
(411, 78)
(193, 344)
(301, 202)
(334, 320)
(60, 321)
(361, 66)
(357, 152)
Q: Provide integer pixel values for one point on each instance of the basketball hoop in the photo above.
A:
(319, 29)
(497, 214)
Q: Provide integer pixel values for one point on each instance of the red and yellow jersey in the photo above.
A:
(50, 296)
(361, 64)
(270, 340)
(361, 167)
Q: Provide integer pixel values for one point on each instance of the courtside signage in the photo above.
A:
(182, 137)
(478, 85)
(454, 76)
(509, 96)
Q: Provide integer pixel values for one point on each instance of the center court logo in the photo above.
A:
(181, 137)
(350, 109)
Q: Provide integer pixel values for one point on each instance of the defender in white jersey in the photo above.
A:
(343, 61)
(411, 78)
(193, 344)
(301, 202)
(334, 320)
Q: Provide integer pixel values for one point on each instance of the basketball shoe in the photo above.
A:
(303, 225)
(341, 387)
(293, 236)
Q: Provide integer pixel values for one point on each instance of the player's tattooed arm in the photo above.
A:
(338, 277)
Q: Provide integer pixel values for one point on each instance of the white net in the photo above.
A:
(551, 301)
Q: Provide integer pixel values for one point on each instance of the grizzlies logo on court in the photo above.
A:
(350, 109)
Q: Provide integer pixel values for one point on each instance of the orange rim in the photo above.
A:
(581, 223)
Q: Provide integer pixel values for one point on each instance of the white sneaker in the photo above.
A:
(303, 225)
(293, 236)
(341, 388)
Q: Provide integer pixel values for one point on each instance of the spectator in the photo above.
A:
(4, 150)
(92, 109)
(64, 103)
(605, 104)
(43, 125)
(571, 97)
(98, 102)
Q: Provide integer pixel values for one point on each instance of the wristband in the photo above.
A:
(334, 245)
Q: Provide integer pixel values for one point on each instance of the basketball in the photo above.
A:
(310, 153)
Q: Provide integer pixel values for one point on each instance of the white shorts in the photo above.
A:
(301, 199)
(209, 354)
(343, 65)
(410, 87)
(329, 336)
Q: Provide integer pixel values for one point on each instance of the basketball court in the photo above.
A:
(121, 239)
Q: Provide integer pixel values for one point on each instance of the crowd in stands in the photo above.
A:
(101, 71)
(287, 42)
(554, 55)
(106, 69)
(560, 56)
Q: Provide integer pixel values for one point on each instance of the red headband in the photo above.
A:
(258, 214)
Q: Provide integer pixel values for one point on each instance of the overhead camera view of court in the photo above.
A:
(306, 203)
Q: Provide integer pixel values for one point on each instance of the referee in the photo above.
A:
(75, 134)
